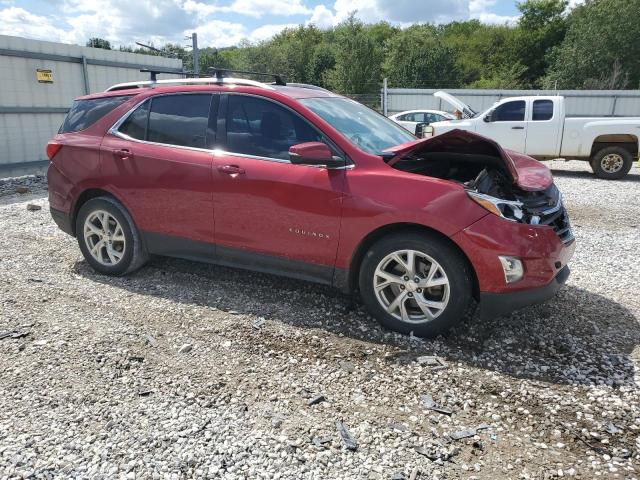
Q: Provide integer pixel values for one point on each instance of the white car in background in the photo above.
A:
(412, 118)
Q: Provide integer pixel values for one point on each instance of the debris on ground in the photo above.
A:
(14, 334)
(460, 434)
(32, 207)
(22, 189)
(432, 361)
(316, 400)
(428, 402)
(186, 348)
(347, 438)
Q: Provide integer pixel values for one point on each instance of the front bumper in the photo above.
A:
(496, 304)
(543, 254)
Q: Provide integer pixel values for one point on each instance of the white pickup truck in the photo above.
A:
(538, 127)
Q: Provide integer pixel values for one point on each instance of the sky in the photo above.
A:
(221, 23)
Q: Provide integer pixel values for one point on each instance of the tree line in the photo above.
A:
(592, 46)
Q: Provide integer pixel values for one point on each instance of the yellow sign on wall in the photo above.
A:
(44, 76)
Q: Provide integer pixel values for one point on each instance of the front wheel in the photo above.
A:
(108, 237)
(611, 163)
(416, 283)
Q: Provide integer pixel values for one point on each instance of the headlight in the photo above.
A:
(513, 270)
(509, 209)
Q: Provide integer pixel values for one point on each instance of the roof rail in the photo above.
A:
(222, 73)
(309, 86)
(187, 81)
(153, 73)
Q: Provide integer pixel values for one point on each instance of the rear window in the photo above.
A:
(179, 120)
(85, 113)
(542, 110)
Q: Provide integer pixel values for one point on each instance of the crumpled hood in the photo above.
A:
(526, 172)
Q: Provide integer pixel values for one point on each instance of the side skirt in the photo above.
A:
(179, 247)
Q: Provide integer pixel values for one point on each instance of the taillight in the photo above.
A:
(52, 149)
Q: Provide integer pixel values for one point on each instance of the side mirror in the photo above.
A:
(314, 153)
(488, 117)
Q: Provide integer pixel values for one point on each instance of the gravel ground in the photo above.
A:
(186, 370)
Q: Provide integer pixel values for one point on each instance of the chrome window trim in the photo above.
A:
(114, 130)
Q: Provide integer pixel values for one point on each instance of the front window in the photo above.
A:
(509, 112)
(263, 128)
(364, 127)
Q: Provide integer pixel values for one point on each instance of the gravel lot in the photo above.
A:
(186, 370)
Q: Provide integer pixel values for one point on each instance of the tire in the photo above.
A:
(611, 163)
(453, 269)
(126, 252)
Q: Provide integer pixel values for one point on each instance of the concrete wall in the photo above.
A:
(579, 102)
(31, 112)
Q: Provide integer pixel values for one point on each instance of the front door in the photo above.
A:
(159, 163)
(271, 214)
(507, 125)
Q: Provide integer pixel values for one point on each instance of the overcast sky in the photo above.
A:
(221, 23)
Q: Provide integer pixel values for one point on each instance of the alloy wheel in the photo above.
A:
(104, 238)
(411, 286)
(612, 163)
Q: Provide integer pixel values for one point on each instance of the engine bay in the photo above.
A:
(480, 169)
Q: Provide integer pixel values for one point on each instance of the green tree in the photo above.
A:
(600, 49)
(96, 42)
(358, 59)
(417, 58)
(541, 27)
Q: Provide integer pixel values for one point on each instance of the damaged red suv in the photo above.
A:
(297, 181)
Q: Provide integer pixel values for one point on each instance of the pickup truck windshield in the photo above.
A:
(364, 127)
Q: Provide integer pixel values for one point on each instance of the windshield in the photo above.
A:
(364, 127)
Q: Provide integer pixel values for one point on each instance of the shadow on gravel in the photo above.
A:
(631, 176)
(578, 337)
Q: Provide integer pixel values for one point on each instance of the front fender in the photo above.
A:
(376, 200)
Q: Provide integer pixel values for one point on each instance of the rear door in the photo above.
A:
(543, 128)
(272, 214)
(159, 162)
(507, 125)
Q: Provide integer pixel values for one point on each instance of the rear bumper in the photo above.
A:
(496, 304)
(63, 220)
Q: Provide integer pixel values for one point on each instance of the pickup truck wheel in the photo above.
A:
(415, 283)
(611, 163)
(108, 238)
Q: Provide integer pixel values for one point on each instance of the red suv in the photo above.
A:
(297, 181)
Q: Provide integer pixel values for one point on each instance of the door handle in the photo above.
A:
(517, 128)
(231, 169)
(123, 153)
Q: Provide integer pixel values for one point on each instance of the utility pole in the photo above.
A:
(385, 97)
(194, 51)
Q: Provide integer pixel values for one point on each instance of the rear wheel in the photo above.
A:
(416, 283)
(108, 237)
(611, 163)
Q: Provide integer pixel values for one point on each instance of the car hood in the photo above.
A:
(465, 109)
(526, 172)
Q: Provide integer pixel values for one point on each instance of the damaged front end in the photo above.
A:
(508, 184)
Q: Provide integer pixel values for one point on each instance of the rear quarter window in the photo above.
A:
(85, 113)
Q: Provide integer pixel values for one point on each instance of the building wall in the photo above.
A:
(578, 102)
(31, 112)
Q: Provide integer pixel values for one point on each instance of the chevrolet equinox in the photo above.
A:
(297, 181)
